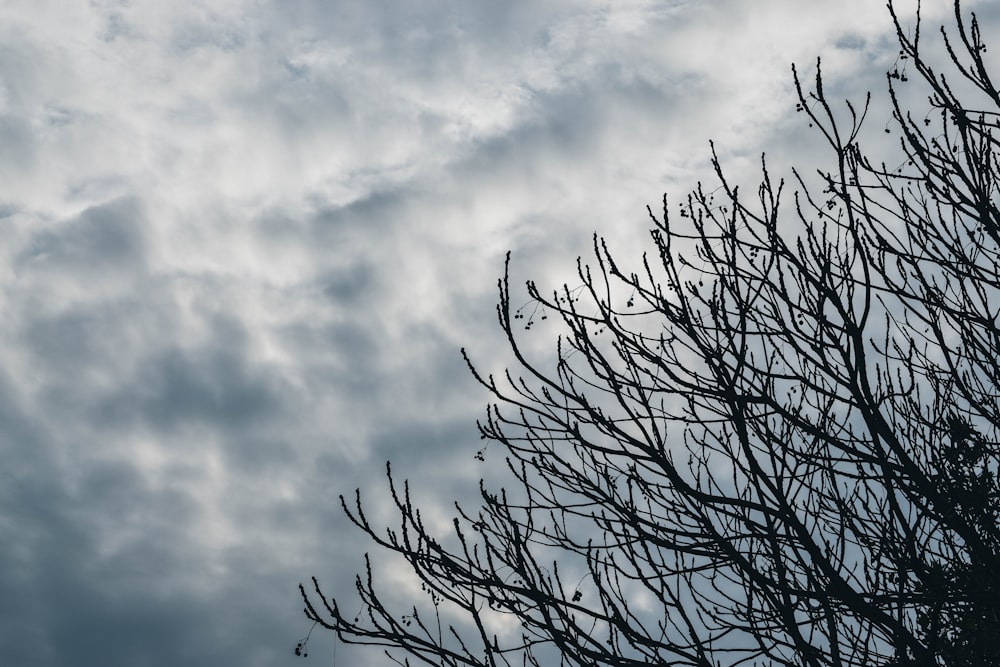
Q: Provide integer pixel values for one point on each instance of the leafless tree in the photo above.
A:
(774, 442)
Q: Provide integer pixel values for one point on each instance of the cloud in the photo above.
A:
(244, 242)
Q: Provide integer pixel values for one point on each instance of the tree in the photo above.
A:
(774, 442)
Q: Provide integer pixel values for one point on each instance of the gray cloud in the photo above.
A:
(243, 244)
(106, 237)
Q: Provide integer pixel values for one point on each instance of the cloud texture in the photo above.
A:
(243, 242)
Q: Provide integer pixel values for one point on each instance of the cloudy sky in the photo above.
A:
(242, 242)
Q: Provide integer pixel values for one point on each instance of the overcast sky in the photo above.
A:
(242, 242)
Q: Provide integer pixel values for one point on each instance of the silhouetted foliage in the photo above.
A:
(774, 443)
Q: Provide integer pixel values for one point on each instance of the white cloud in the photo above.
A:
(243, 241)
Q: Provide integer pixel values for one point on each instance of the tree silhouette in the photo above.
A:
(774, 442)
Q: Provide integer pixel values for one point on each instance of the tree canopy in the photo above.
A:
(771, 441)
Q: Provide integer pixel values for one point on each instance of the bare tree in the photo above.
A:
(774, 442)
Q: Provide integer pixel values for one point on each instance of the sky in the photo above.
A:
(243, 241)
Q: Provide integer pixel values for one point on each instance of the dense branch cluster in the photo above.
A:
(773, 442)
